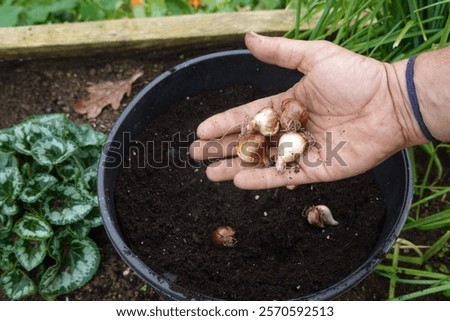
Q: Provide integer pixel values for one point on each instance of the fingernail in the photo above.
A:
(253, 34)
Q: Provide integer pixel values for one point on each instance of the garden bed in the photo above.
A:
(48, 86)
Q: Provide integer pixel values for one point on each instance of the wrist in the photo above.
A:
(396, 75)
(432, 82)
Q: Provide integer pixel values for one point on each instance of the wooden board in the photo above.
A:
(89, 38)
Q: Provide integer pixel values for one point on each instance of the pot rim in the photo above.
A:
(176, 292)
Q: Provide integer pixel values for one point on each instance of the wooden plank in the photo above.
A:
(88, 38)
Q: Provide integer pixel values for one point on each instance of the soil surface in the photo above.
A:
(30, 87)
(169, 211)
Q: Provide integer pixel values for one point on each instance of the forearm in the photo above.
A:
(432, 80)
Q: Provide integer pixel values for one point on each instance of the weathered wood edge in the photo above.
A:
(89, 38)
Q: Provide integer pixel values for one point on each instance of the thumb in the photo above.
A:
(291, 54)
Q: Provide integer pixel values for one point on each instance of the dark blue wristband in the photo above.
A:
(414, 101)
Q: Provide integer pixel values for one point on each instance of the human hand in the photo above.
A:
(358, 115)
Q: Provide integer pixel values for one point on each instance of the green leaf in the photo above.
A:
(33, 168)
(10, 184)
(16, 284)
(83, 227)
(36, 187)
(7, 257)
(69, 172)
(270, 4)
(177, 7)
(47, 278)
(7, 140)
(39, 13)
(8, 160)
(79, 259)
(33, 227)
(89, 156)
(139, 12)
(30, 253)
(67, 205)
(85, 135)
(52, 150)
(44, 119)
(27, 133)
(6, 223)
(9, 208)
(89, 178)
(91, 12)
(157, 8)
(9, 15)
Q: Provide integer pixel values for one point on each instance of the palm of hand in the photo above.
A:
(351, 117)
(348, 100)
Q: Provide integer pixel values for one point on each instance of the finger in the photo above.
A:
(292, 54)
(311, 170)
(214, 148)
(230, 121)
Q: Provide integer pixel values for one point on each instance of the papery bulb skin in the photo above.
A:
(252, 148)
(266, 122)
(294, 115)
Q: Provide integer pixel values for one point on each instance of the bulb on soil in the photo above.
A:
(223, 236)
(320, 216)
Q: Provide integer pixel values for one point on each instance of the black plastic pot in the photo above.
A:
(212, 72)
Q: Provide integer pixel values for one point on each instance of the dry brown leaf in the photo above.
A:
(104, 94)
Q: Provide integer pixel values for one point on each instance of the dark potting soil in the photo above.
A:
(168, 209)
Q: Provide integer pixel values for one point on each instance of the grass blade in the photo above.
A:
(436, 247)
(425, 292)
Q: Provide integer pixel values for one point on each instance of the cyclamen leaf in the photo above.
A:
(79, 260)
(6, 223)
(30, 253)
(69, 206)
(46, 119)
(33, 168)
(10, 184)
(6, 141)
(17, 285)
(52, 150)
(7, 258)
(89, 178)
(69, 173)
(36, 187)
(37, 168)
(27, 133)
(88, 136)
(33, 227)
(104, 94)
(8, 160)
(89, 156)
(83, 227)
(9, 208)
